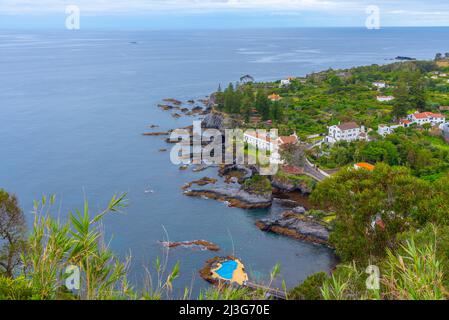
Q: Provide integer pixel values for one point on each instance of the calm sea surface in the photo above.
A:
(73, 106)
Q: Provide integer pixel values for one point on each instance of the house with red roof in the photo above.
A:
(274, 97)
(421, 118)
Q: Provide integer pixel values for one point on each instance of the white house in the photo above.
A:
(349, 131)
(427, 117)
(385, 129)
(379, 84)
(285, 82)
(384, 98)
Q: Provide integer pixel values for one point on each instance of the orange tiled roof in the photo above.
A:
(425, 115)
(365, 165)
(274, 97)
(288, 139)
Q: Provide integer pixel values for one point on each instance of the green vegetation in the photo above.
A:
(390, 219)
(299, 181)
(257, 184)
(310, 289)
(415, 271)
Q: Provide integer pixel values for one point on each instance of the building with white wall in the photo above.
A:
(384, 98)
(380, 84)
(349, 131)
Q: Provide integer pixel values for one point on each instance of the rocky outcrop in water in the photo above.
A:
(173, 101)
(200, 182)
(296, 226)
(234, 197)
(164, 133)
(202, 245)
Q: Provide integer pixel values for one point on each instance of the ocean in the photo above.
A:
(73, 105)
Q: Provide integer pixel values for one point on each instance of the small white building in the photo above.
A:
(380, 84)
(421, 118)
(384, 98)
(349, 131)
(285, 83)
(385, 129)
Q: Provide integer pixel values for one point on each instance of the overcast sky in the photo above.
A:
(124, 14)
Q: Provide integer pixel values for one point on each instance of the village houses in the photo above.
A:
(419, 118)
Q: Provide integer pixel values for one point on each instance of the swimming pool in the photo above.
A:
(227, 269)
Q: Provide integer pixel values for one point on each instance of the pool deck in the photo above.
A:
(238, 276)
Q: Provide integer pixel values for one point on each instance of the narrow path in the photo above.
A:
(274, 293)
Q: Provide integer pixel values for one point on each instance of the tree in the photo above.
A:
(263, 104)
(335, 83)
(276, 111)
(401, 101)
(360, 199)
(12, 233)
(417, 91)
(228, 98)
(438, 56)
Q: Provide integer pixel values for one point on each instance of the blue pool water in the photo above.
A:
(227, 269)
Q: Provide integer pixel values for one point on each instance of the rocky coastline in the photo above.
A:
(297, 225)
(292, 222)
